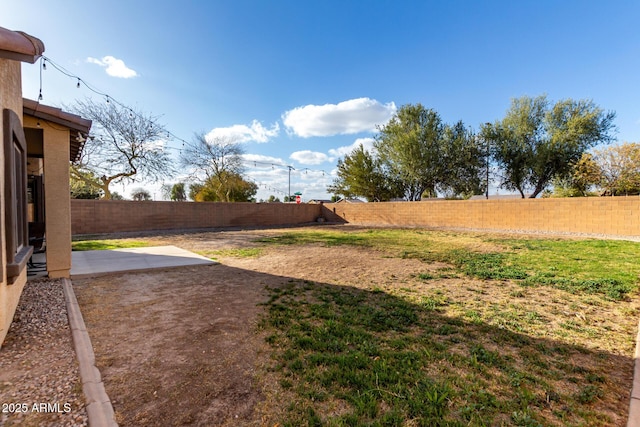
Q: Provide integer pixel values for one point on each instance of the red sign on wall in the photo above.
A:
(298, 199)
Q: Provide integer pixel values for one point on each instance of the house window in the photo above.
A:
(17, 247)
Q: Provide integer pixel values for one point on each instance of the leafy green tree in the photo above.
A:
(124, 146)
(88, 188)
(463, 160)
(619, 167)
(226, 187)
(584, 177)
(409, 147)
(423, 155)
(586, 174)
(140, 195)
(360, 174)
(273, 199)
(536, 142)
(178, 192)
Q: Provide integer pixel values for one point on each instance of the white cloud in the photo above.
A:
(115, 67)
(367, 143)
(307, 157)
(243, 133)
(348, 117)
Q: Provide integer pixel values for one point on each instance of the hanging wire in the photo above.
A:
(109, 99)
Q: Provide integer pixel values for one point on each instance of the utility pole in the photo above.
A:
(486, 141)
(290, 169)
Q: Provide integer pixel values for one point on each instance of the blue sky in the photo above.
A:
(301, 82)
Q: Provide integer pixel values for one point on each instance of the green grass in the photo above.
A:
(385, 361)
(329, 238)
(94, 245)
(579, 266)
(235, 253)
(589, 266)
(499, 331)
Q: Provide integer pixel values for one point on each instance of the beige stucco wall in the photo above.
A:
(56, 196)
(11, 98)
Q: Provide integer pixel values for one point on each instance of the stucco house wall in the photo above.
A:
(10, 98)
(14, 48)
(56, 196)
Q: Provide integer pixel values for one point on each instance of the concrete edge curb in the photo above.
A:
(99, 408)
(634, 401)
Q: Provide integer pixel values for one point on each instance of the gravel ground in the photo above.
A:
(39, 380)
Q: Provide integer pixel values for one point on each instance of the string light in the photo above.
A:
(41, 68)
(110, 100)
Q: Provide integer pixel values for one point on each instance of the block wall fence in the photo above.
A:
(589, 215)
(112, 216)
(616, 216)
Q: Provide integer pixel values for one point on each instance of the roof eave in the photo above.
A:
(76, 124)
(20, 46)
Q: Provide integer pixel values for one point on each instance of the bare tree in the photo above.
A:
(206, 158)
(125, 145)
(216, 163)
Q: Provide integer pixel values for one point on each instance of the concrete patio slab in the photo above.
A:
(96, 263)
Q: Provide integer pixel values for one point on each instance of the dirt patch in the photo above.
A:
(177, 346)
(182, 346)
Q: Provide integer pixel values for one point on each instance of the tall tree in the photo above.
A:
(125, 145)
(217, 164)
(360, 174)
(409, 145)
(423, 155)
(535, 142)
(463, 161)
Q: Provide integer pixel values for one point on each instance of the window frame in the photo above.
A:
(17, 247)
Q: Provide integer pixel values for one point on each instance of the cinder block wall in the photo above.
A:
(110, 216)
(589, 215)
